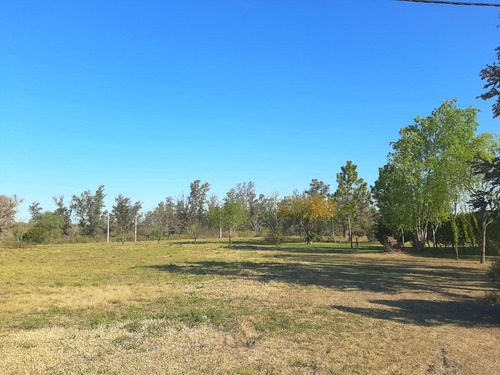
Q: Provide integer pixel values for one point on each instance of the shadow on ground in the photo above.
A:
(466, 312)
(390, 278)
(309, 249)
(387, 276)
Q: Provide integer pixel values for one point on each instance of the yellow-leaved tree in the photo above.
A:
(307, 212)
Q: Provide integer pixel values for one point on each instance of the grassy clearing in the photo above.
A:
(249, 308)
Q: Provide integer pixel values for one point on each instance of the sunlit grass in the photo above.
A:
(177, 307)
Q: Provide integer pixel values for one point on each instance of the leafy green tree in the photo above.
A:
(158, 233)
(492, 76)
(194, 231)
(352, 198)
(8, 211)
(389, 193)
(88, 210)
(244, 193)
(124, 213)
(234, 215)
(163, 216)
(428, 173)
(215, 214)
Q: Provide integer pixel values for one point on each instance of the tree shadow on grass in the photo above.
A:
(465, 312)
(308, 249)
(364, 275)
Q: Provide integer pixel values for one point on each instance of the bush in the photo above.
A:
(46, 229)
(35, 235)
(494, 275)
(274, 237)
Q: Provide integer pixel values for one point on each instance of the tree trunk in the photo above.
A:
(420, 239)
(333, 232)
(357, 243)
(403, 237)
(483, 252)
(230, 235)
(454, 230)
(434, 230)
(220, 231)
(350, 230)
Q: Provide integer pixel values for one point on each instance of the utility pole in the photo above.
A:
(107, 239)
(135, 231)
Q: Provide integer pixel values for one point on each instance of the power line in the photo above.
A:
(453, 3)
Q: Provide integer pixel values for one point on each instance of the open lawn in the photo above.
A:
(249, 308)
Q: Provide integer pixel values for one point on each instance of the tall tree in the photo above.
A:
(63, 211)
(389, 193)
(215, 213)
(428, 172)
(486, 199)
(234, 212)
(88, 209)
(8, 211)
(181, 213)
(124, 213)
(35, 210)
(318, 187)
(244, 193)
(352, 198)
(162, 219)
(492, 76)
(197, 201)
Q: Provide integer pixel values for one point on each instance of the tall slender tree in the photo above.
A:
(352, 197)
(486, 199)
(197, 202)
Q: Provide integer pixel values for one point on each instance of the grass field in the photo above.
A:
(249, 308)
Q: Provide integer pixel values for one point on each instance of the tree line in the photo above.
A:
(314, 214)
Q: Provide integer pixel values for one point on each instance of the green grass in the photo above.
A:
(244, 308)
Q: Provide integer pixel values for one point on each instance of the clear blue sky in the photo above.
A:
(147, 96)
